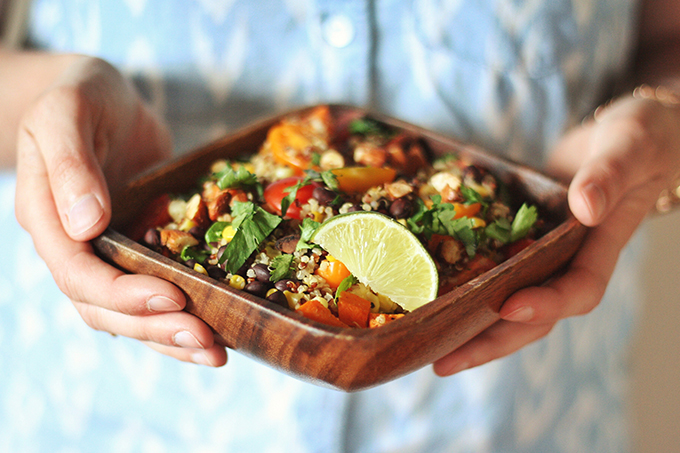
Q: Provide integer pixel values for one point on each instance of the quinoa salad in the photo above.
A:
(250, 223)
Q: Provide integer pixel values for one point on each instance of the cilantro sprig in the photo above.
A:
(252, 224)
(237, 179)
(505, 232)
(440, 219)
(281, 267)
(326, 177)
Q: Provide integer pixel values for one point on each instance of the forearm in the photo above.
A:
(23, 77)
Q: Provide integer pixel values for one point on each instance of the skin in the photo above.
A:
(70, 127)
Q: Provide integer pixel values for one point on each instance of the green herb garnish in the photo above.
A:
(281, 267)
(252, 224)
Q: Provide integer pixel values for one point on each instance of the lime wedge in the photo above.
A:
(382, 254)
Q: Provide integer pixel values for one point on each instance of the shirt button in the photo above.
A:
(338, 31)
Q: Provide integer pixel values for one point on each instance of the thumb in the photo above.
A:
(56, 145)
(622, 157)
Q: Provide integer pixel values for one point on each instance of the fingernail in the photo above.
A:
(458, 368)
(201, 358)
(84, 214)
(522, 314)
(186, 339)
(162, 303)
(595, 200)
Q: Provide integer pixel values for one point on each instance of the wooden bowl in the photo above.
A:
(342, 358)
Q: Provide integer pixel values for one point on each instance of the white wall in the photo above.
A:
(656, 353)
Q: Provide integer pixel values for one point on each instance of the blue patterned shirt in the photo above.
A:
(508, 75)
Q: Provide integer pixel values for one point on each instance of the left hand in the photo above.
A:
(620, 164)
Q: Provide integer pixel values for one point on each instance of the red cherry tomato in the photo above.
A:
(275, 192)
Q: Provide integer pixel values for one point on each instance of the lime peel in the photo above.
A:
(383, 254)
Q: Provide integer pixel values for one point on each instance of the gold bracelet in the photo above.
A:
(669, 197)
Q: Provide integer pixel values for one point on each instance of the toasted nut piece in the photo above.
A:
(176, 240)
(398, 189)
(219, 205)
(451, 250)
(237, 195)
(177, 209)
(370, 155)
(197, 211)
(331, 159)
(444, 178)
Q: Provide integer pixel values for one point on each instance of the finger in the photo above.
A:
(178, 329)
(582, 286)
(626, 150)
(77, 271)
(501, 339)
(215, 356)
(58, 138)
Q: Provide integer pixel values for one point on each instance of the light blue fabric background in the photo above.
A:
(509, 75)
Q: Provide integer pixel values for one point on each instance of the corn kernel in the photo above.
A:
(237, 282)
(318, 216)
(330, 258)
(293, 299)
(186, 225)
(201, 269)
(228, 233)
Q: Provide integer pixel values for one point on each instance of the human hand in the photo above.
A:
(89, 128)
(620, 163)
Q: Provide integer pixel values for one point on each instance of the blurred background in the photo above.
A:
(656, 353)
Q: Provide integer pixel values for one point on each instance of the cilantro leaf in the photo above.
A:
(307, 229)
(252, 224)
(331, 181)
(214, 233)
(472, 196)
(346, 284)
(524, 220)
(281, 267)
(231, 179)
(190, 253)
(499, 230)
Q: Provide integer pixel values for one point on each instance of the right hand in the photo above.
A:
(89, 128)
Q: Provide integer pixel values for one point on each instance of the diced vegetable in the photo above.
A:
(333, 271)
(314, 310)
(360, 179)
(353, 310)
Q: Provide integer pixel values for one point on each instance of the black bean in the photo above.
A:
(152, 237)
(190, 263)
(257, 288)
(220, 252)
(284, 285)
(473, 173)
(401, 208)
(354, 208)
(261, 272)
(278, 298)
(323, 195)
(216, 272)
(197, 232)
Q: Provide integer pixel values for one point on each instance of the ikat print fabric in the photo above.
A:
(509, 75)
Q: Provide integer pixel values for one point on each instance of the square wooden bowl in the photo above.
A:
(345, 359)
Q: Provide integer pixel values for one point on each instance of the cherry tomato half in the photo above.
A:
(275, 192)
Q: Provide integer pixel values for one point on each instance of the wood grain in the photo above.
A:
(345, 359)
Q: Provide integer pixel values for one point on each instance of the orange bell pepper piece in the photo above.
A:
(360, 179)
(315, 311)
(353, 310)
(466, 210)
(333, 271)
